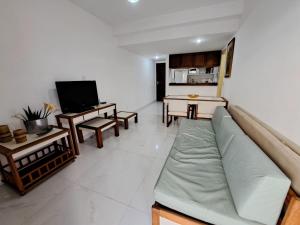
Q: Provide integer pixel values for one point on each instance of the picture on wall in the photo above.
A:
(229, 61)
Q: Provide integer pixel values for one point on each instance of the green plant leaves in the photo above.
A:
(35, 115)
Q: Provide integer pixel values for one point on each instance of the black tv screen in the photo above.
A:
(77, 96)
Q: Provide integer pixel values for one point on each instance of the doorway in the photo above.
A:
(160, 81)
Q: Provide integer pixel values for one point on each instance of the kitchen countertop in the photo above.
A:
(193, 84)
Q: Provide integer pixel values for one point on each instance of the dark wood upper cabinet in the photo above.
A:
(213, 59)
(200, 59)
(188, 60)
(175, 61)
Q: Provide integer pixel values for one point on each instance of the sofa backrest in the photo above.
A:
(219, 114)
(225, 134)
(286, 158)
(257, 185)
(292, 145)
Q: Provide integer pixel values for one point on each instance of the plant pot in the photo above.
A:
(36, 126)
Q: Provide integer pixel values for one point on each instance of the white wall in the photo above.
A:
(185, 90)
(266, 71)
(43, 41)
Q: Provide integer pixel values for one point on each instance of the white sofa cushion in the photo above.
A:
(257, 185)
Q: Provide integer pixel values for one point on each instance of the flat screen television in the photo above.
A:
(77, 96)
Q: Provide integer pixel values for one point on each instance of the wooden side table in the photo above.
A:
(25, 165)
(125, 116)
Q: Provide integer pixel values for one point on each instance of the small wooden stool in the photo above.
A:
(125, 116)
(99, 125)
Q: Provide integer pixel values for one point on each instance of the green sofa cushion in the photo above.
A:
(193, 181)
(196, 133)
(219, 114)
(225, 133)
(257, 185)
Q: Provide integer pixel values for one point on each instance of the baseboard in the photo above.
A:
(88, 134)
(141, 108)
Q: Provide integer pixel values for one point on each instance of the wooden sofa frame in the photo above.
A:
(290, 214)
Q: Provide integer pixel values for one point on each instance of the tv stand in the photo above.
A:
(83, 109)
(72, 119)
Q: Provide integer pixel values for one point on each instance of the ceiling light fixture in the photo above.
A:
(157, 57)
(133, 1)
(199, 41)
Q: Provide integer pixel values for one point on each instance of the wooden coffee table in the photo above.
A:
(98, 125)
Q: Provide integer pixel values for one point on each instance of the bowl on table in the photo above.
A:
(193, 96)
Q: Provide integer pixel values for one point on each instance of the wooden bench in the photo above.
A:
(125, 116)
(99, 125)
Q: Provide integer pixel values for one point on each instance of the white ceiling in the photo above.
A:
(162, 27)
(183, 45)
(118, 12)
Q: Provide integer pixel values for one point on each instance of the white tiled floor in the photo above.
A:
(111, 186)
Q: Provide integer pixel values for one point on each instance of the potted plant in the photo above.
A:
(36, 121)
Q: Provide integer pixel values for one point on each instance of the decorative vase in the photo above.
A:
(36, 126)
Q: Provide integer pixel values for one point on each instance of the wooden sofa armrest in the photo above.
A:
(161, 211)
(291, 210)
(290, 213)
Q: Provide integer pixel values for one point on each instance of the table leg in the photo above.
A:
(1, 170)
(15, 174)
(70, 142)
(115, 115)
(136, 118)
(167, 117)
(126, 124)
(59, 124)
(116, 127)
(163, 113)
(80, 135)
(99, 138)
(73, 134)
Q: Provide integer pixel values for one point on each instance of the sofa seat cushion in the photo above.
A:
(257, 185)
(196, 134)
(196, 127)
(193, 181)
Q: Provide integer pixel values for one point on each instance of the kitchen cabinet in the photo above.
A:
(199, 59)
(188, 60)
(213, 59)
(175, 61)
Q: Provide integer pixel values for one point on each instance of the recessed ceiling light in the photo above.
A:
(133, 1)
(199, 41)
